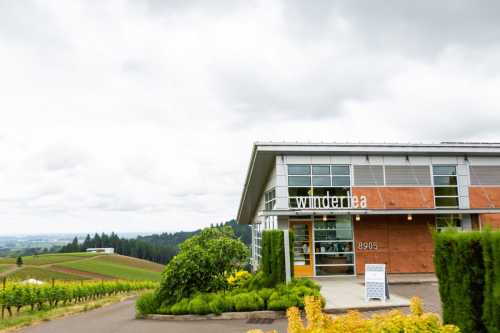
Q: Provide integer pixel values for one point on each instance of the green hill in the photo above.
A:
(80, 266)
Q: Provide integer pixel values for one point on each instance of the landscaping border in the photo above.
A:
(267, 314)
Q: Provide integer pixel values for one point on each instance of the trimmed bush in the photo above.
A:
(491, 306)
(198, 305)
(273, 255)
(147, 304)
(459, 267)
(250, 301)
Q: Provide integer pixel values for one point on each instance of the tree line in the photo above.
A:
(159, 248)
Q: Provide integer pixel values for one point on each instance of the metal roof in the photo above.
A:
(263, 156)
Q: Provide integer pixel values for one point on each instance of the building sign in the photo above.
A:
(376, 286)
(332, 202)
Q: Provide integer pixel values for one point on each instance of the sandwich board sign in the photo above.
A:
(376, 285)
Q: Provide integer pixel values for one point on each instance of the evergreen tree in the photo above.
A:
(19, 261)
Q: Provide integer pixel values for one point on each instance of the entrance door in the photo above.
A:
(302, 248)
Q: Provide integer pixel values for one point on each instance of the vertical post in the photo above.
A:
(288, 274)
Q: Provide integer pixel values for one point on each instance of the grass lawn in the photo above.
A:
(43, 274)
(106, 267)
(47, 259)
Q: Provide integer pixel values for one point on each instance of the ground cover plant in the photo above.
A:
(14, 297)
(353, 322)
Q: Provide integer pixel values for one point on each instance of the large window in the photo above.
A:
(445, 186)
(317, 180)
(449, 221)
(270, 199)
(333, 245)
(256, 244)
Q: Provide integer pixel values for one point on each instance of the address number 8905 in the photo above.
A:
(367, 246)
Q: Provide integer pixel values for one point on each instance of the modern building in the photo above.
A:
(353, 204)
(105, 250)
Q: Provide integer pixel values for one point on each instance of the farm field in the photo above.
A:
(118, 267)
(80, 266)
(43, 274)
(47, 259)
(4, 267)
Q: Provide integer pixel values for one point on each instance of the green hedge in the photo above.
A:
(491, 306)
(468, 268)
(459, 267)
(273, 255)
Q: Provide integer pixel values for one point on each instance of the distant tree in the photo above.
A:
(19, 261)
(160, 248)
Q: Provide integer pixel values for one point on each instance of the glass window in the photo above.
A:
(298, 169)
(299, 191)
(444, 170)
(270, 199)
(321, 181)
(446, 202)
(448, 221)
(445, 180)
(334, 246)
(334, 259)
(446, 191)
(445, 186)
(321, 170)
(334, 270)
(299, 181)
(341, 181)
(340, 170)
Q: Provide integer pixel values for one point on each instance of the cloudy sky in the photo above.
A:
(140, 115)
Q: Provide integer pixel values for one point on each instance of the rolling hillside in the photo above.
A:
(80, 266)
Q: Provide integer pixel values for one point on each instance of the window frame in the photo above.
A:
(434, 186)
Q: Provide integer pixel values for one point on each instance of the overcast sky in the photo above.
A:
(140, 115)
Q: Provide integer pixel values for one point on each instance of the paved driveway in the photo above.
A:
(119, 318)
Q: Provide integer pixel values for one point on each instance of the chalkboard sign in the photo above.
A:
(376, 286)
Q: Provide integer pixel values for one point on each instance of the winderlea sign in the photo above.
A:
(332, 202)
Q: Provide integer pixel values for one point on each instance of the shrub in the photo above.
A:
(353, 322)
(459, 267)
(202, 264)
(238, 278)
(198, 305)
(147, 304)
(273, 255)
(257, 281)
(250, 301)
(179, 308)
(491, 305)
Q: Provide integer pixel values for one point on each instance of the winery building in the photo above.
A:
(352, 204)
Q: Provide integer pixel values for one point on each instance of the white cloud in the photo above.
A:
(139, 116)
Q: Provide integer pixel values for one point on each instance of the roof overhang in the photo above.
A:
(264, 155)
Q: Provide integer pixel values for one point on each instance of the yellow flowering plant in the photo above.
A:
(353, 322)
(238, 278)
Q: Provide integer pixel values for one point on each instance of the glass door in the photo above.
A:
(334, 245)
(302, 248)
